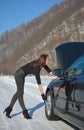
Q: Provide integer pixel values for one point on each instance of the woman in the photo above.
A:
(34, 68)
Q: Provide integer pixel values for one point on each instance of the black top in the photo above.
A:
(28, 69)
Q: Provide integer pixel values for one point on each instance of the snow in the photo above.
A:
(33, 102)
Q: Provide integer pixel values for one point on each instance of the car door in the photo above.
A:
(75, 97)
(78, 99)
(60, 101)
(64, 102)
(71, 98)
(76, 105)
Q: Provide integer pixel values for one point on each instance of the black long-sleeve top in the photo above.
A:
(28, 69)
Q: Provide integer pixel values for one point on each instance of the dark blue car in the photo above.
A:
(69, 102)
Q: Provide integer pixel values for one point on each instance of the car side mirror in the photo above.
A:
(57, 72)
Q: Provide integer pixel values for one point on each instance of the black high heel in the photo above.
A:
(8, 111)
(26, 115)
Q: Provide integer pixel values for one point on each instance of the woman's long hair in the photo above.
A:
(40, 61)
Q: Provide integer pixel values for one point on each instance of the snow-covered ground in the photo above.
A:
(33, 102)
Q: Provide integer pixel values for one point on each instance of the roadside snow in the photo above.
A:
(33, 102)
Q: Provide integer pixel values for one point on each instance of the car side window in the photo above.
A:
(72, 71)
(77, 69)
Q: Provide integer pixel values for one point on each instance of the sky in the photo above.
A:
(15, 12)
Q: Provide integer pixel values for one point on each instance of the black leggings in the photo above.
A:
(19, 78)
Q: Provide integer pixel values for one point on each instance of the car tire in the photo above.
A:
(49, 107)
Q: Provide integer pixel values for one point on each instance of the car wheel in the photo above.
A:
(49, 107)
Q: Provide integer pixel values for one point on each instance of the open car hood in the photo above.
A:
(67, 53)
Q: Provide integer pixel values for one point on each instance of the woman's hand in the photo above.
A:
(57, 77)
(44, 97)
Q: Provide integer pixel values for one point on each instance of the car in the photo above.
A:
(68, 103)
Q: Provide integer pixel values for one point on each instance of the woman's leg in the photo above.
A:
(18, 95)
(20, 90)
(9, 108)
(14, 98)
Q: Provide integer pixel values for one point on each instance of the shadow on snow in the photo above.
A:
(30, 110)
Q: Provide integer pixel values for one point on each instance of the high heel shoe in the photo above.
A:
(26, 115)
(8, 111)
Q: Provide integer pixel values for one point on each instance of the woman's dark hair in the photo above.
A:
(40, 61)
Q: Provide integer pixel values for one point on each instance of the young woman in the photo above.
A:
(34, 68)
